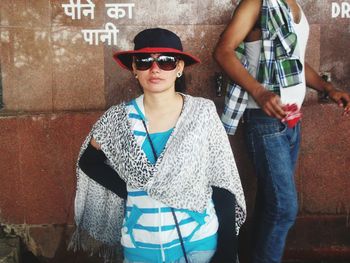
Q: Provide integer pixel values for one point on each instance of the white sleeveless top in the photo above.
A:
(294, 94)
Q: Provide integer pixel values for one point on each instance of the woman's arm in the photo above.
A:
(241, 25)
(224, 203)
(228, 196)
(93, 163)
(313, 80)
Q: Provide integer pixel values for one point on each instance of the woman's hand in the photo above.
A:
(95, 144)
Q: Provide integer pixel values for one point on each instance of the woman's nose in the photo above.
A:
(155, 67)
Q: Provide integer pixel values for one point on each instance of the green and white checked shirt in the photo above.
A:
(279, 62)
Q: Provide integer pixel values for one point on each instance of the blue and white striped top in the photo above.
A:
(149, 232)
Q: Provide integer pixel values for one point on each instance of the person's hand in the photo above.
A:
(95, 144)
(270, 103)
(342, 98)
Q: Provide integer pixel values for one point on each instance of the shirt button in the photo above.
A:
(125, 229)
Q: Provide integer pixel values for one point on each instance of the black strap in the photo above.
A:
(179, 234)
(172, 209)
(150, 141)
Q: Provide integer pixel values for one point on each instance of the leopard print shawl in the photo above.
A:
(197, 156)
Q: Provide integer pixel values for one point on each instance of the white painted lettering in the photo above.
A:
(345, 10)
(119, 10)
(335, 10)
(74, 10)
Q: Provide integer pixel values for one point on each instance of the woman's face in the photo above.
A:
(157, 72)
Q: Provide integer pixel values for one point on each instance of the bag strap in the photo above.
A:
(179, 234)
(172, 209)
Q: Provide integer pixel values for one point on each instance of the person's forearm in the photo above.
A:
(241, 28)
(268, 101)
(314, 81)
(238, 30)
(236, 71)
(92, 163)
(224, 203)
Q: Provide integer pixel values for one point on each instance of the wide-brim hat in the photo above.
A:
(155, 40)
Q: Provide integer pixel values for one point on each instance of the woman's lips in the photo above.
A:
(155, 80)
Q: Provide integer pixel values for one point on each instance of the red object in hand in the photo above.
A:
(293, 114)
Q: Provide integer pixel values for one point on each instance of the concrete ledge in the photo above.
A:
(313, 239)
(319, 238)
(321, 254)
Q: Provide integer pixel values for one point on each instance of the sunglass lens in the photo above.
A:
(143, 63)
(167, 62)
(163, 62)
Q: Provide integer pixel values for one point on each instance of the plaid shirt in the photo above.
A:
(279, 64)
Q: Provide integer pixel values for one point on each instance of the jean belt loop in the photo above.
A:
(246, 115)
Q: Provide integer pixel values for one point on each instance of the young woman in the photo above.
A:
(168, 156)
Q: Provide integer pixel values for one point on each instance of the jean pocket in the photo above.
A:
(260, 130)
(277, 129)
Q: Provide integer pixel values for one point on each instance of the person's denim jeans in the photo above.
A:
(274, 150)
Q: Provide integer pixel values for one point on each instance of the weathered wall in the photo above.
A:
(55, 86)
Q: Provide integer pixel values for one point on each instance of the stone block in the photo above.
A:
(41, 181)
(324, 159)
(78, 71)
(313, 49)
(320, 12)
(11, 190)
(38, 166)
(60, 19)
(29, 14)
(190, 12)
(26, 69)
(335, 56)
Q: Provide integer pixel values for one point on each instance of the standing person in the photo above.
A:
(269, 83)
(168, 156)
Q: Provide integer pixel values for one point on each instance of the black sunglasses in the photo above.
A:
(164, 62)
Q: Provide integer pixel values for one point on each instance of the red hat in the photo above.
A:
(154, 40)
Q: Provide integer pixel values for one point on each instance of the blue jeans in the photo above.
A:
(274, 150)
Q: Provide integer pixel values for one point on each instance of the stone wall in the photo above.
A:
(55, 86)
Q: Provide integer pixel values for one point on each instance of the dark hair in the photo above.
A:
(180, 84)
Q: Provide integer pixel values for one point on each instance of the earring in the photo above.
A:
(135, 76)
(179, 74)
